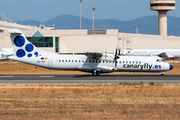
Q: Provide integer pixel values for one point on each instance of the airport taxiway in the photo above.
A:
(87, 79)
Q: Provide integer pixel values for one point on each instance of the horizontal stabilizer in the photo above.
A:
(2, 57)
(5, 52)
(15, 31)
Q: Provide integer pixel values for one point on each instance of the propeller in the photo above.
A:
(119, 51)
(116, 57)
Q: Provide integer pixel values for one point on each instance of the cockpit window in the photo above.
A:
(160, 60)
(163, 60)
(157, 60)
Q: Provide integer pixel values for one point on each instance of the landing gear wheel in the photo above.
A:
(95, 73)
(162, 73)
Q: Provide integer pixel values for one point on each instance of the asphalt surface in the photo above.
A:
(87, 79)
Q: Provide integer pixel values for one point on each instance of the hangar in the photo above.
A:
(80, 41)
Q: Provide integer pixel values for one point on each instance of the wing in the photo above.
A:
(94, 55)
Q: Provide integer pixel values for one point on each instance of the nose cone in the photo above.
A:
(170, 67)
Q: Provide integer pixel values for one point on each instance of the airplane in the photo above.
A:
(155, 52)
(92, 62)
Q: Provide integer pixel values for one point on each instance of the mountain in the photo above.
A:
(29, 22)
(147, 24)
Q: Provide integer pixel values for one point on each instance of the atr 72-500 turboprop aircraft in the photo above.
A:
(95, 63)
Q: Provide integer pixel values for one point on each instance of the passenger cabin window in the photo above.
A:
(75, 60)
(72, 60)
(62, 60)
(59, 60)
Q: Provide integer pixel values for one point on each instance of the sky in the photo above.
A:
(42, 10)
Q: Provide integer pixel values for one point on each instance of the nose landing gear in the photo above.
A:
(162, 73)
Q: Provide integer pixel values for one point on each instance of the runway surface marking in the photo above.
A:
(46, 76)
(6, 76)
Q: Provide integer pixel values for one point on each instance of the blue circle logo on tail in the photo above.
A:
(29, 55)
(36, 54)
(29, 47)
(20, 53)
(19, 41)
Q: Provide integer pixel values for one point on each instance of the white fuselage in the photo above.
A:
(83, 63)
(24, 51)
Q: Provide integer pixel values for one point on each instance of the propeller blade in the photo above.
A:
(119, 51)
(115, 63)
(116, 57)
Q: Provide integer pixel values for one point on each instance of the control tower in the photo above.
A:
(162, 6)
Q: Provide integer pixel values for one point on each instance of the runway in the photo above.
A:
(87, 79)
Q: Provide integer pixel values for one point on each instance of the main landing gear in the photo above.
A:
(97, 73)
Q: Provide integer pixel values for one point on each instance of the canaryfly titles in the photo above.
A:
(145, 66)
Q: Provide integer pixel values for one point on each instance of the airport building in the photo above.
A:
(80, 41)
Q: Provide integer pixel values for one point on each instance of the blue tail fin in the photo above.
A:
(21, 46)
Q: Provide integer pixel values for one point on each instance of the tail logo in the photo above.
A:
(19, 41)
(29, 48)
